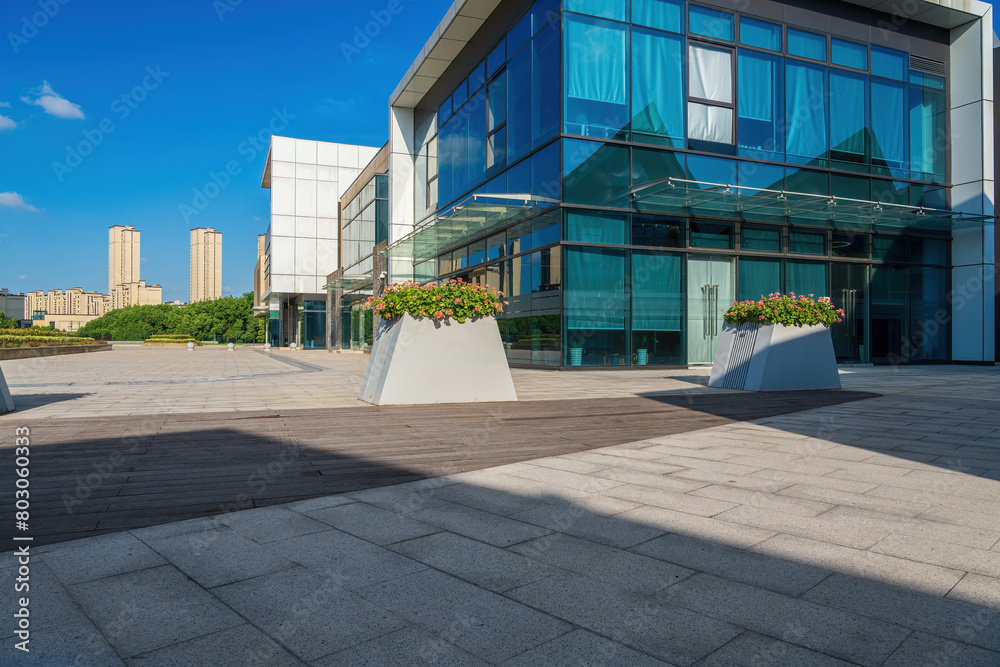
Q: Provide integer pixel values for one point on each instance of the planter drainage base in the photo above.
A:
(775, 357)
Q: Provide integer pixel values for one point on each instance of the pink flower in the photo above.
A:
(448, 312)
(479, 309)
(439, 314)
(458, 301)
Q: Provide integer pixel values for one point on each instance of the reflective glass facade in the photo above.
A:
(589, 100)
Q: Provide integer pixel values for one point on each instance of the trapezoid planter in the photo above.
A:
(775, 357)
(6, 400)
(423, 361)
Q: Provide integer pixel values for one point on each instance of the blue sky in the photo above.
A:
(117, 112)
(120, 110)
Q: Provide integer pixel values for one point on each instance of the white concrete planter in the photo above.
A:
(429, 361)
(775, 357)
(6, 400)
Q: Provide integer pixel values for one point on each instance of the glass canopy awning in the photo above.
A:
(475, 215)
(684, 197)
(350, 283)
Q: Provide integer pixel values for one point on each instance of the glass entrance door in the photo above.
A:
(849, 290)
(711, 288)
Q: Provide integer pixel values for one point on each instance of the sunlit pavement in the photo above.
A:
(864, 533)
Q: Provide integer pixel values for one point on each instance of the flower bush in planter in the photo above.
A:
(790, 310)
(455, 300)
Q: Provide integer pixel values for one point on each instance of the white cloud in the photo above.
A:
(53, 103)
(14, 200)
(23, 277)
(7, 123)
(5, 104)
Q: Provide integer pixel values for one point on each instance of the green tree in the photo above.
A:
(7, 322)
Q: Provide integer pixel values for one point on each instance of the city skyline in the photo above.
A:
(157, 140)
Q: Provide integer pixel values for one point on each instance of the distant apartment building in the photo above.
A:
(123, 256)
(206, 264)
(12, 305)
(74, 301)
(307, 180)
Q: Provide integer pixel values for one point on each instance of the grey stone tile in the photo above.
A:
(582, 648)
(320, 503)
(218, 556)
(769, 501)
(310, 615)
(570, 480)
(409, 646)
(495, 501)
(978, 538)
(481, 564)
(267, 524)
(753, 650)
(97, 557)
(404, 498)
(961, 517)
(348, 560)
(669, 632)
(485, 624)
(493, 529)
(930, 579)
(373, 523)
(621, 569)
(651, 480)
(738, 481)
(681, 502)
(815, 481)
(952, 556)
(180, 527)
(838, 530)
(977, 589)
(830, 631)
(859, 500)
(50, 604)
(569, 464)
(580, 521)
(77, 643)
(939, 616)
(723, 532)
(924, 649)
(142, 611)
(774, 574)
(242, 646)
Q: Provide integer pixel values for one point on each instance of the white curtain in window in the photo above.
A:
(711, 74)
(708, 123)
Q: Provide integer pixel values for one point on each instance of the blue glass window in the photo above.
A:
(805, 111)
(928, 140)
(758, 278)
(657, 87)
(595, 173)
(496, 113)
(848, 115)
(652, 230)
(718, 171)
(710, 23)
(459, 152)
(460, 95)
(761, 176)
(519, 105)
(806, 44)
(497, 58)
(595, 77)
(519, 178)
(761, 34)
(478, 77)
(444, 112)
(806, 243)
(445, 162)
(477, 138)
(545, 86)
(657, 296)
(889, 63)
(928, 80)
(589, 227)
(542, 12)
(608, 9)
(805, 278)
(848, 54)
(760, 239)
(545, 179)
(760, 97)
(712, 235)
(519, 35)
(888, 125)
(477, 252)
(661, 14)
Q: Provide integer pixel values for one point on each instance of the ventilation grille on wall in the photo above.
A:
(926, 65)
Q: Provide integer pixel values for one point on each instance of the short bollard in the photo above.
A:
(267, 347)
(190, 347)
(230, 347)
(291, 346)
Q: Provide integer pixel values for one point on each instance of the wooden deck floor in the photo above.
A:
(99, 475)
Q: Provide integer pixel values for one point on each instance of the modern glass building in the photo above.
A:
(624, 169)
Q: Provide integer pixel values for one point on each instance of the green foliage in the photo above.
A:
(7, 322)
(229, 319)
(172, 339)
(789, 310)
(39, 337)
(36, 331)
(455, 300)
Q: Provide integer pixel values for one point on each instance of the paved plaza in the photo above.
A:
(862, 531)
